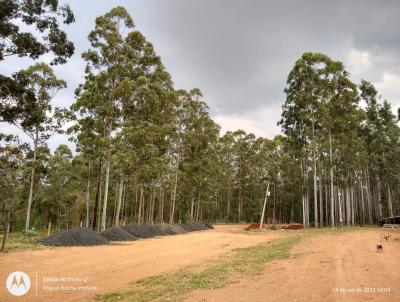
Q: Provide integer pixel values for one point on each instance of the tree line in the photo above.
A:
(147, 152)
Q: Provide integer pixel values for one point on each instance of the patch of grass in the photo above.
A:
(19, 241)
(172, 287)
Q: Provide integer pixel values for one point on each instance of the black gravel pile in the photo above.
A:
(194, 226)
(202, 225)
(118, 234)
(74, 237)
(187, 227)
(138, 231)
(154, 229)
(177, 228)
(171, 229)
(208, 225)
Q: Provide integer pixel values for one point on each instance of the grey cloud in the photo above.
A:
(240, 52)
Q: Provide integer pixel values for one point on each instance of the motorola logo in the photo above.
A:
(18, 283)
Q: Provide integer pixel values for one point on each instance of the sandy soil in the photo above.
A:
(319, 268)
(111, 267)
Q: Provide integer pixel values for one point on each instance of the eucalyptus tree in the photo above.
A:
(105, 65)
(226, 161)
(321, 103)
(302, 112)
(38, 120)
(198, 155)
(57, 184)
(44, 36)
(382, 135)
(88, 132)
(126, 84)
(11, 162)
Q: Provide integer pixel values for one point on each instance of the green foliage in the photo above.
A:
(44, 17)
(41, 15)
(149, 152)
(31, 233)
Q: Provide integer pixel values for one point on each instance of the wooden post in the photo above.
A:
(48, 229)
(264, 205)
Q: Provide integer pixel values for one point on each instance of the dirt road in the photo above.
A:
(106, 268)
(324, 267)
(342, 267)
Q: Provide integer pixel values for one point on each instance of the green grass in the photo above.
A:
(18, 241)
(173, 286)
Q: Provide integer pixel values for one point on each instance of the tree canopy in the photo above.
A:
(149, 152)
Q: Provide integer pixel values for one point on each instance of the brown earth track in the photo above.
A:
(318, 267)
(113, 266)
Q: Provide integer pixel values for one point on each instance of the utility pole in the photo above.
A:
(264, 205)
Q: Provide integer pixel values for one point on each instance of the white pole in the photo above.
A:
(264, 205)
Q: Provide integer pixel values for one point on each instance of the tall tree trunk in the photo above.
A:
(198, 207)
(390, 206)
(240, 190)
(108, 160)
(6, 230)
(139, 221)
(369, 199)
(32, 183)
(321, 202)
(124, 205)
(228, 207)
(348, 209)
(171, 216)
(119, 202)
(273, 211)
(87, 222)
(161, 204)
(152, 200)
(134, 203)
(191, 209)
(315, 180)
(115, 203)
(362, 202)
(97, 199)
(340, 207)
(379, 198)
(331, 175)
(352, 206)
(303, 194)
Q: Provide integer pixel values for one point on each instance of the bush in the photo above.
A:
(30, 234)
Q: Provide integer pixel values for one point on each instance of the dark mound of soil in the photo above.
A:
(194, 226)
(138, 231)
(155, 229)
(202, 225)
(178, 229)
(118, 234)
(208, 225)
(74, 237)
(170, 229)
(187, 227)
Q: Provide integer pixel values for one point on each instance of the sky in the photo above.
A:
(239, 53)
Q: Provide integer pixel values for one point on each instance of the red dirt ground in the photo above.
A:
(320, 267)
(111, 267)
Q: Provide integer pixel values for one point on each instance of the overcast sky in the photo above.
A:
(239, 52)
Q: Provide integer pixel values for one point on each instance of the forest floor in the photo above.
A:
(285, 266)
